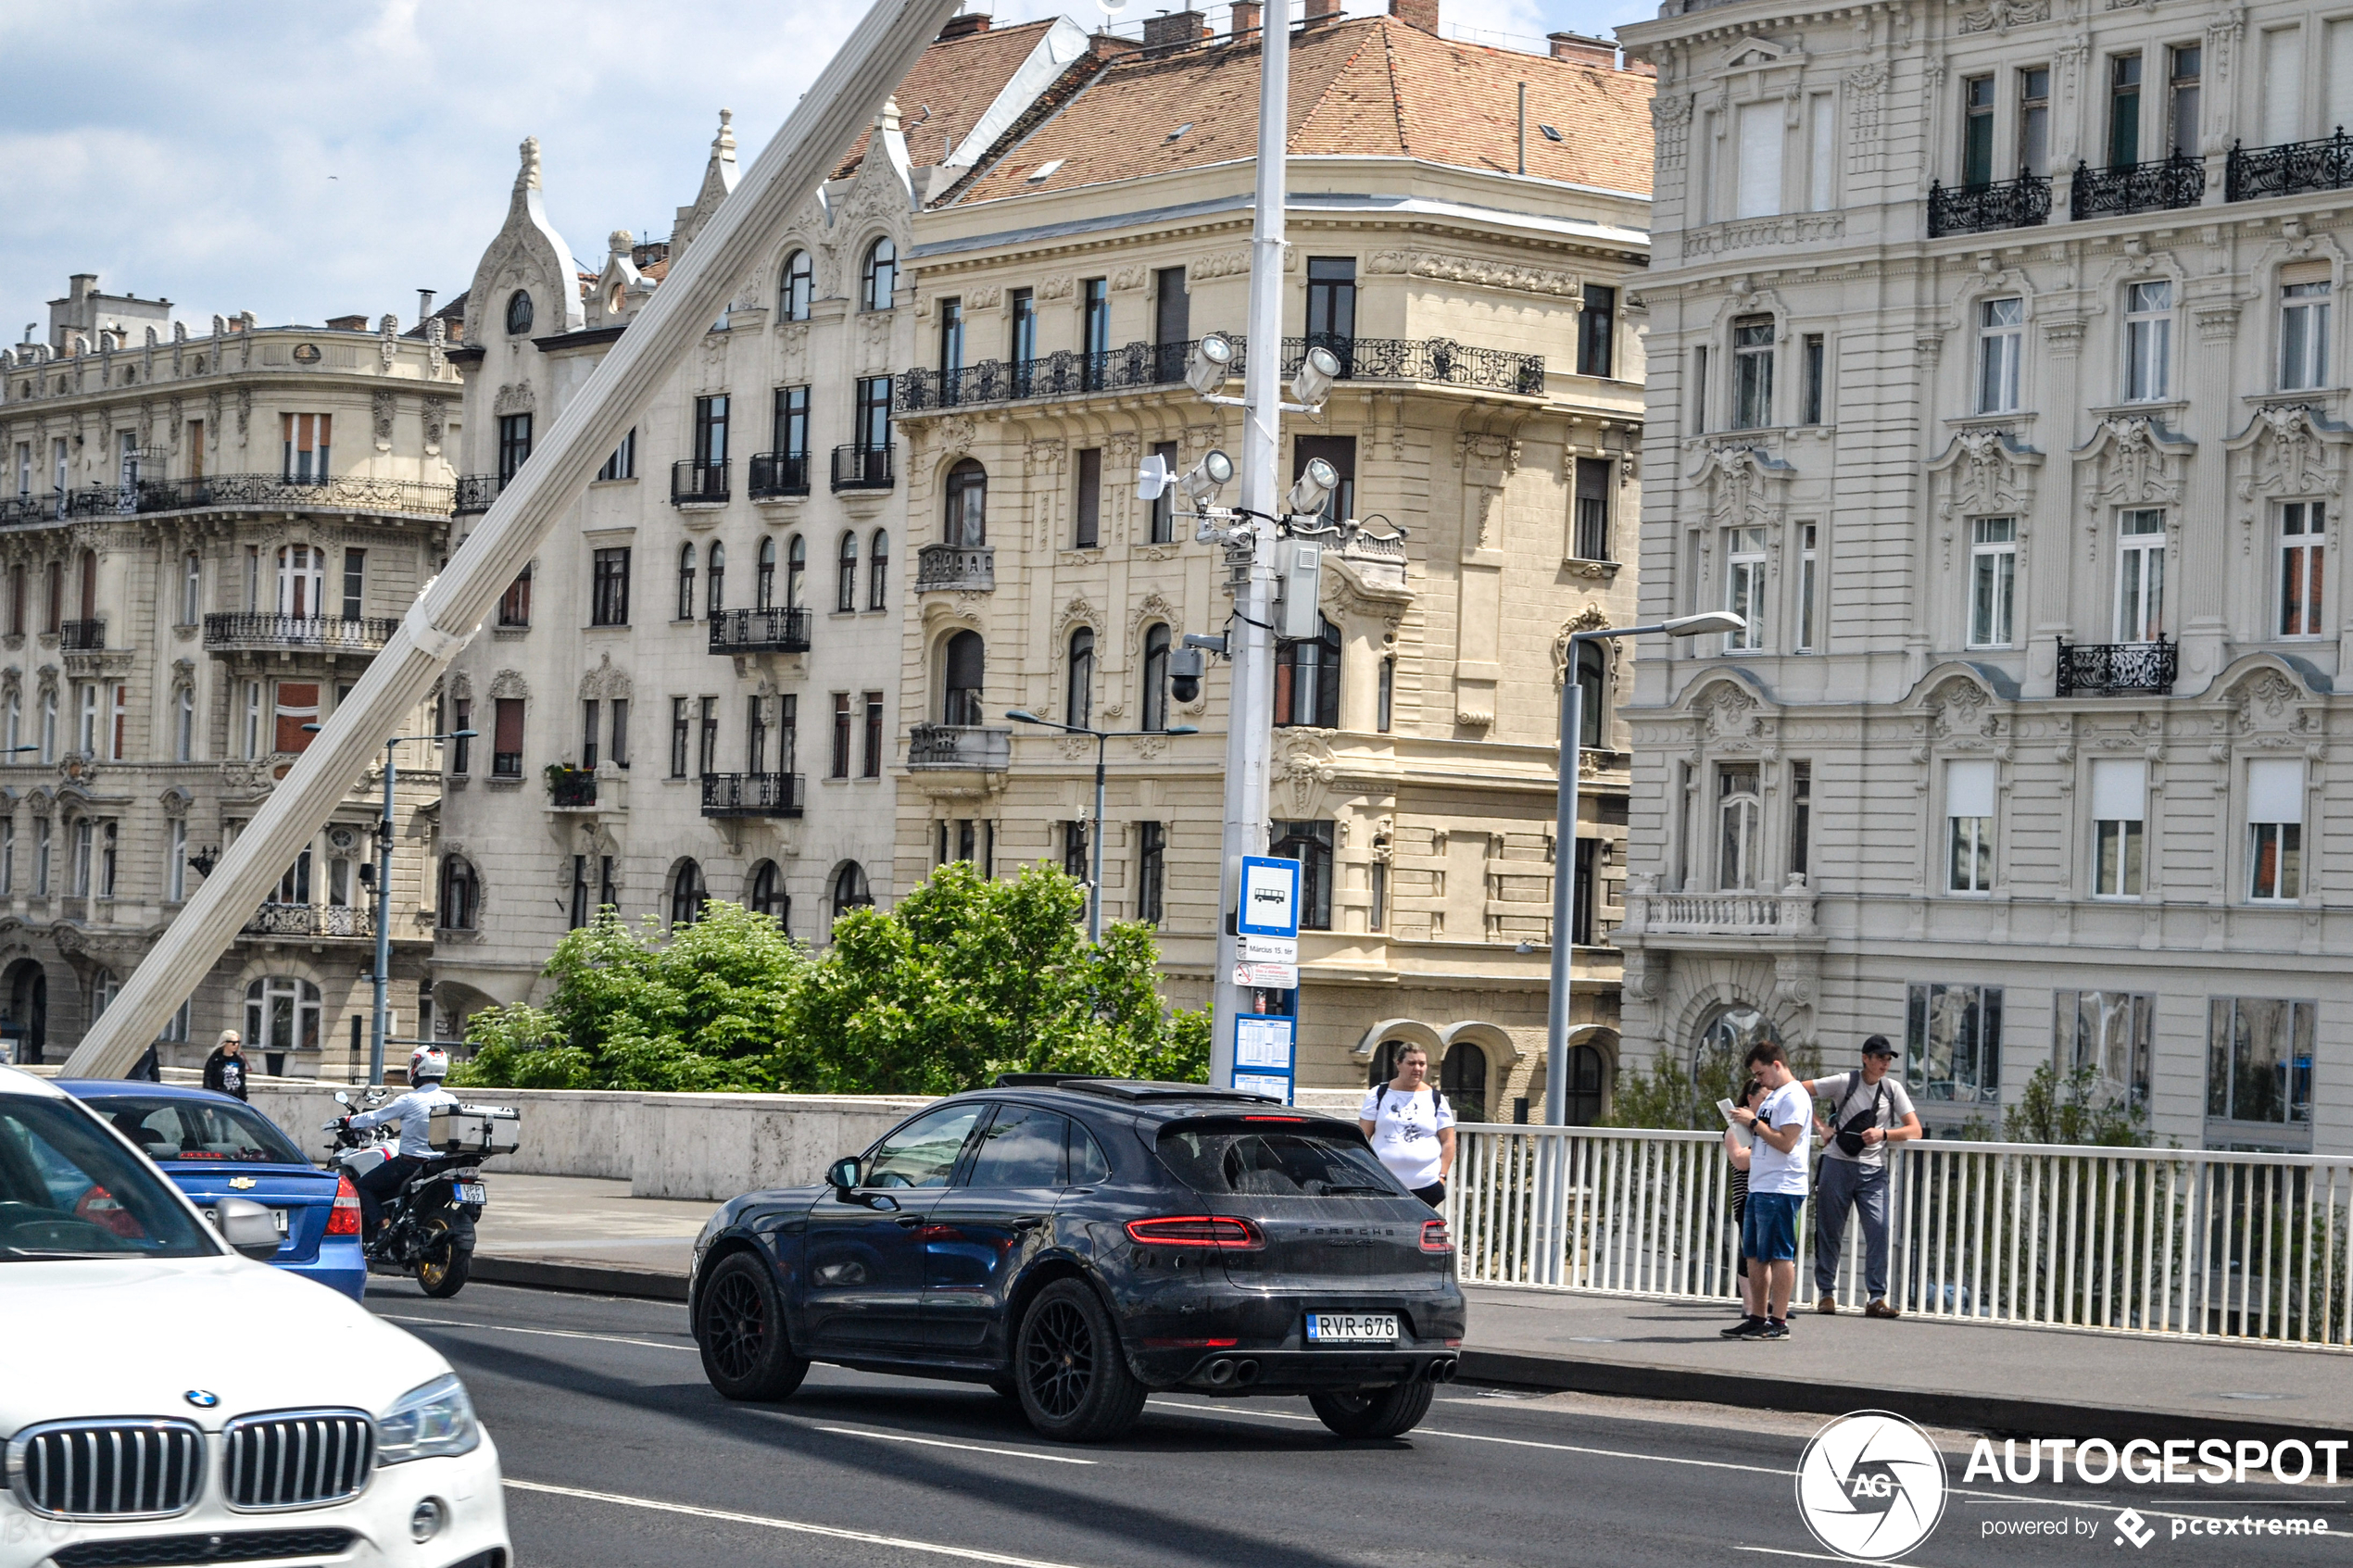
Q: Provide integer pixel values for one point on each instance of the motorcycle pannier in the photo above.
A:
(476, 1129)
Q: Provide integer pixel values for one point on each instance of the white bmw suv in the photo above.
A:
(164, 1400)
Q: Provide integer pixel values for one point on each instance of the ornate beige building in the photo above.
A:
(203, 541)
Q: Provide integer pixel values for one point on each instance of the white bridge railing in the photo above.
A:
(2180, 1242)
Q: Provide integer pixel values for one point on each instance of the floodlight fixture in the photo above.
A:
(1316, 482)
(1318, 368)
(1213, 360)
(1212, 473)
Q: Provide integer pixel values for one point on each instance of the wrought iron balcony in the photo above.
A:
(2154, 187)
(236, 632)
(970, 748)
(2288, 169)
(779, 474)
(2022, 202)
(2118, 669)
(863, 467)
(572, 789)
(760, 631)
(83, 636)
(753, 795)
(694, 481)
(345, 493)
(476, 492)
(948, 568)
(311, 919)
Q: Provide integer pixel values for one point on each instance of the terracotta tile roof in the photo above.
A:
(957, 79)
(1371, 86)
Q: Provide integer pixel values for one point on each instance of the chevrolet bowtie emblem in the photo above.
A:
(241, 1183)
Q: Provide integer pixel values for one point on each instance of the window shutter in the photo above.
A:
(2119, 790)
(1968, 788)
(508, 733)
(2275, 790)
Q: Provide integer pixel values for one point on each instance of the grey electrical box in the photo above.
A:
(1298, 572)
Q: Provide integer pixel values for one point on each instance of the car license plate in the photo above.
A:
(472, 1192)
(1351, 1328)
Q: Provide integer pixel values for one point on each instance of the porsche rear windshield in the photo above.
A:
(67, 1190)
(198, 1130)
(1274, 1157)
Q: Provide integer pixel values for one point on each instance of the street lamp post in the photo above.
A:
(1101, 738)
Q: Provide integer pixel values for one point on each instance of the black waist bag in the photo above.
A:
(1850, 1137)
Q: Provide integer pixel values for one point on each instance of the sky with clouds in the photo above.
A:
(306, 160)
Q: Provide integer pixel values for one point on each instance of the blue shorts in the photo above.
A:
(1768, 1227)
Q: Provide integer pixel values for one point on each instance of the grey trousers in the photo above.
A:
(1847, 1184)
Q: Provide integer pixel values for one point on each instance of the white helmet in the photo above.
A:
(428, 1062)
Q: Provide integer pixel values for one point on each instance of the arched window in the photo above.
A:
(1722, 1048)
(968, 505)
(878, 279)
(1385, 1057)
(1740, 816)
(184, 728)
(1308, 678)
(104, 987)
(190, 591)
(1593, 717)
(519, 313)
(1155, 707)
(767, 895)
(845, 591)
(686, 581)
(460, 895)
(281, 1014)
(961, 679)
(878, 571)
(717, 572)
(688, 895)
(1462, 1077)
(1587, 1079)
(1079, 695)
(797, 287)
(763, 580)
(796, 571)
(850, 889)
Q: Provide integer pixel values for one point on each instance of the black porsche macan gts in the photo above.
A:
(1076, 1243)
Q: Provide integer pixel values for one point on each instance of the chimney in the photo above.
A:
(965, 26)
(346, 324)
(1174, 27)
(1422, 14)
(1322, 13)
(1245, 17)
(81, 285)
(1576, 46)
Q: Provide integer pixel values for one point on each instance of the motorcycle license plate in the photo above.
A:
(1351, 1328)
(472, 1192)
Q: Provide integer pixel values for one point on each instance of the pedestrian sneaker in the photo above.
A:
(1774, 1328)
(1827, 1306)
(1744, 1329)
(1880, 1309)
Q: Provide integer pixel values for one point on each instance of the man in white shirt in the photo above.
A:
(1870, 1111)
(1776, 1189)
(1411, 1127)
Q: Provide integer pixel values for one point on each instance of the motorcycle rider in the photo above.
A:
(428, 1065)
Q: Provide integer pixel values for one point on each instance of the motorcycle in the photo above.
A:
(428, 1228)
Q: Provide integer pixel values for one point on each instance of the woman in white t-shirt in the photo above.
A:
(1412, 1127)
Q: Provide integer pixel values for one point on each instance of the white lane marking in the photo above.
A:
(1513, 1442)
(943, 1443)
(795, 1526)
(544, 1333)
(1808, 1556)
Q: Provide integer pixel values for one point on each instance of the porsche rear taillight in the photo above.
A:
(1435, 1238)
(1198, 1230)
(344, 1219)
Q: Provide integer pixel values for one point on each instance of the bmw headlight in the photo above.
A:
(432, 1420)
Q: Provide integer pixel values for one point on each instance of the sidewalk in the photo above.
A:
(569, 1233)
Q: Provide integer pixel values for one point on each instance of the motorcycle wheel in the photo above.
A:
(445, 1275)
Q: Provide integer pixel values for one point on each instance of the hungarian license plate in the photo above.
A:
(472, 1192)
(1351, 1328)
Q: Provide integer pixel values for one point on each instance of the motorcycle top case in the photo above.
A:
(476, 1129)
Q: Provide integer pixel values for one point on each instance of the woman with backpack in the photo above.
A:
(1411, 1127)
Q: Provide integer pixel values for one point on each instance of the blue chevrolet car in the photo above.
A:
(215, 1145)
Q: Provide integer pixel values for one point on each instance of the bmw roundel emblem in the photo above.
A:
(203, 1399)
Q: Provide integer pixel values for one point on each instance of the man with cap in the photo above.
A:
(1870, 1109)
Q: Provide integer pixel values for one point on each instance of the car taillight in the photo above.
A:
(1197, 1230)
(344, 1220)
(1434, 1237)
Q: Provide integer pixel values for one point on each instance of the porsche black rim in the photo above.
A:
(1059, 1359)
(734, 1325)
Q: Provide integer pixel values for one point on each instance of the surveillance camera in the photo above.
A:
(1184, 666)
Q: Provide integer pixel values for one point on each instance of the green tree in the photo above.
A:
(1666, 1095)
(2074, 1109)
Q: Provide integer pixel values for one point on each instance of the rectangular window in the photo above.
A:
(2304, 334)
(1164, 522)
(1815, 351)
(1095, 323)
(951, 336)
(2034, 120)
(580, 913)
(1757, 190)
(355, 584)
(1385, 699)
(710, 431)
(2001, 345)
(119, 721)
(2258, 1063)
(1089, 507)
(591, 713)
(871, 413)
(2149, 342)
(707, 756)
(1377, 918)
(1699, 391)
(1744, 587)
(2123, 111)
(2181, 91)
(617, 736)
(1581, 891)
(297, 705)
(49, 719)
(175, 863)
(1074, 851)
(41, 855)
(461, 747)
(1311, 845)
(183, 725)
(1952, 1043)
(1752, 373)
(2303, 549)
(623, 464)
(2140, 576)
(755, 735)
(790, 419)
(841, 769)
(1977, 131)
(1993, 580)
(24, 468)
(681, 728)
(1821, 153)
(1740, 815)
(1969, 814)
(1151, 871)
(81, 876)
(514, 444)
(2119, 804)
(1340, 452)
(1806, 535)
(1331, 305)
(1597, 332)
(506, 743)
(1592, 509)
(1172, 323)
(1021, 309)
(871, 766)
(609, 601)
(2113, 1033)
(8, 852)
(1800, 818)
(514, 604)
(306, 447)
(2275, 828)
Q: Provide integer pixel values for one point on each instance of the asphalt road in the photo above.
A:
(618, 1455)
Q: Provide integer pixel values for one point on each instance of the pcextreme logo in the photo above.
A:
(1870, 1485)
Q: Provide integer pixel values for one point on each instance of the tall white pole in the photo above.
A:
(1249, 742)
(870, 63)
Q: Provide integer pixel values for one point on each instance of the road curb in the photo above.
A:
(533, 1273)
